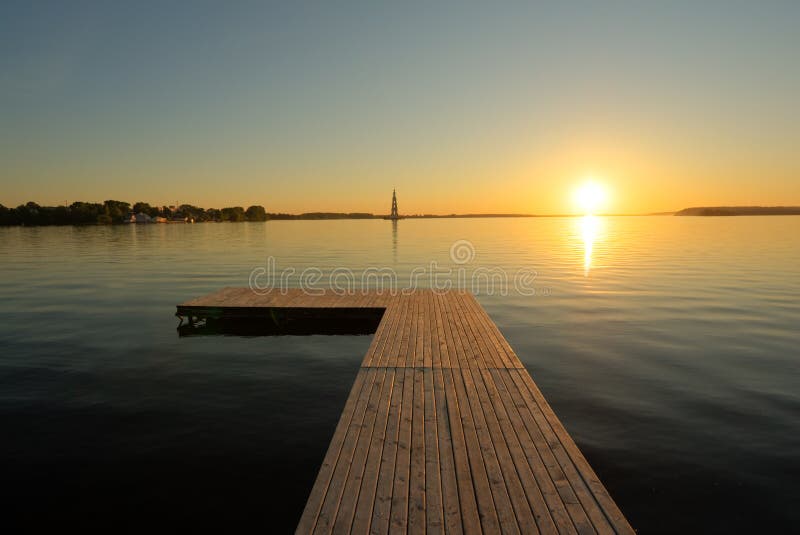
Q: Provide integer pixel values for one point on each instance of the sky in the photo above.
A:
(489, 107)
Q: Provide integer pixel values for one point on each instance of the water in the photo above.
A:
(666, 345)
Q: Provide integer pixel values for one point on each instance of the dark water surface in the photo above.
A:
(667, 346)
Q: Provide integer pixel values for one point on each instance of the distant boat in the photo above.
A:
(394, 216)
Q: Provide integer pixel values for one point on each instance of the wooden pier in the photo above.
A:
(443, 431)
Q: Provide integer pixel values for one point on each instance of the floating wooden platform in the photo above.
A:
(443, 431)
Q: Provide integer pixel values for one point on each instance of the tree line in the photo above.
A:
(115, 212)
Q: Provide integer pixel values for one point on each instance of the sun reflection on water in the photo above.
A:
(589, 229)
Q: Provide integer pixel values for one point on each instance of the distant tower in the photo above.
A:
(394, 206)
(394, 216)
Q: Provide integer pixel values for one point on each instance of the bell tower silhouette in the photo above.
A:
(394, 214)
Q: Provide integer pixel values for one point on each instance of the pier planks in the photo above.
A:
(443, 431)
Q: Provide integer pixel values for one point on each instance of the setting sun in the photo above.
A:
(590, 197)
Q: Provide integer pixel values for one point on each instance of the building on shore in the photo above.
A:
(139, 218)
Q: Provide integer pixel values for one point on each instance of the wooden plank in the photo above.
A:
(381, 510)
(293, 297)
(413, 350)
(544, 485)
(512, 474)
(480, 477)
(333, 496)
(512, 361)
(428, 323)
(484, 347)
(453, 337)
(468, 502)
(399, 337)
(378, 340)
(402, 471)
(421, 354)
(441, 336)
(417, 499)
(474, 520)
(433, 484)
(381, 345)
(377, 411)
(447, 469)
(382, 434)
(544, 442)
(470, 358)
(212, 299)
(596, 489)
(402, 358)
(433, 337)
(485, 352)
(486, 453)
(483, 334)
(383, 337)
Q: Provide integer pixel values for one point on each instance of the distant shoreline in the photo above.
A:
(117, 212)
(113, 212)
(317, 216)
(715, 211)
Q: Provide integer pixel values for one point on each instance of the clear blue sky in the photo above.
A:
(482, 107)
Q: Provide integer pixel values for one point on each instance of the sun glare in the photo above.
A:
(590, 197)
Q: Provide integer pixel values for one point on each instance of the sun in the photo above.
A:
(590, 197)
